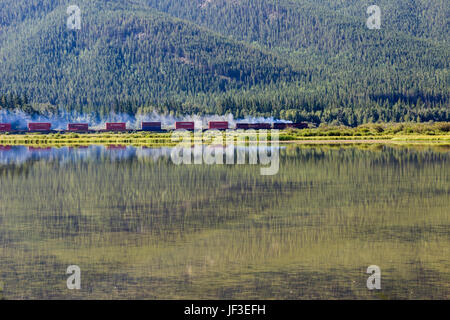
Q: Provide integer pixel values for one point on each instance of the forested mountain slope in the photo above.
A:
(294, 59)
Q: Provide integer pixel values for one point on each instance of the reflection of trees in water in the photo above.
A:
(315, 220)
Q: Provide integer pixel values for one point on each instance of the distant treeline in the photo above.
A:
(240, 108)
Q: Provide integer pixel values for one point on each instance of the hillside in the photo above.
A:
(298, 60)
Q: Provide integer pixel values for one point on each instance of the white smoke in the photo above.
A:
(250, 119)
(20, 120)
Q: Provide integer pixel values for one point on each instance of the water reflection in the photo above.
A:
(22, 154)
(141, 227)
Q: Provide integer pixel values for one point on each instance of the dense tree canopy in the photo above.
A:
(302, 60)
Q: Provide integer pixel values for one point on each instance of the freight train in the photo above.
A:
(45, 127)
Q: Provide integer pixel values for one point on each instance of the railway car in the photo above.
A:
(151, 126)
(218, 125)
(5, 127)
(78, 127)
(281, 126)
(299, 125)
(116, 126)
(259, 126)
(39, 127)
(255, 126)
(186, 125)
(242, 126)
(155, 126)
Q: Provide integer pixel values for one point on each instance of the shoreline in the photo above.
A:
(165, 139)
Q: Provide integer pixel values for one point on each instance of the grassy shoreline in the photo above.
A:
(434, 133)
(132, 139)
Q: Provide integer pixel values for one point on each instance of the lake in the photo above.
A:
(141, 227)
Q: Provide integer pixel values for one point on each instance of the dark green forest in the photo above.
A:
(300, 60)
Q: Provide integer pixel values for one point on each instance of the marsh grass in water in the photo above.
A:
(145, 228)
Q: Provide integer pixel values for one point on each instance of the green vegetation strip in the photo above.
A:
(408, 132)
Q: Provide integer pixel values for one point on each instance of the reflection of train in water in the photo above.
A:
(45, 127)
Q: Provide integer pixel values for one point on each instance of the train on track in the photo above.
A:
(46, 127)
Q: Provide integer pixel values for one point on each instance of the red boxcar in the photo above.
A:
(255, 126)
(184, 125)
(218, 125)
(5, 127)
(78, 127)
(119, 126)
(151, 126)
(39, 126)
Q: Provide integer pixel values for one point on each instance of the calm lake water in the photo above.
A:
(141, 227)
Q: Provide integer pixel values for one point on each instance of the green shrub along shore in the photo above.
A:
(427, 132)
